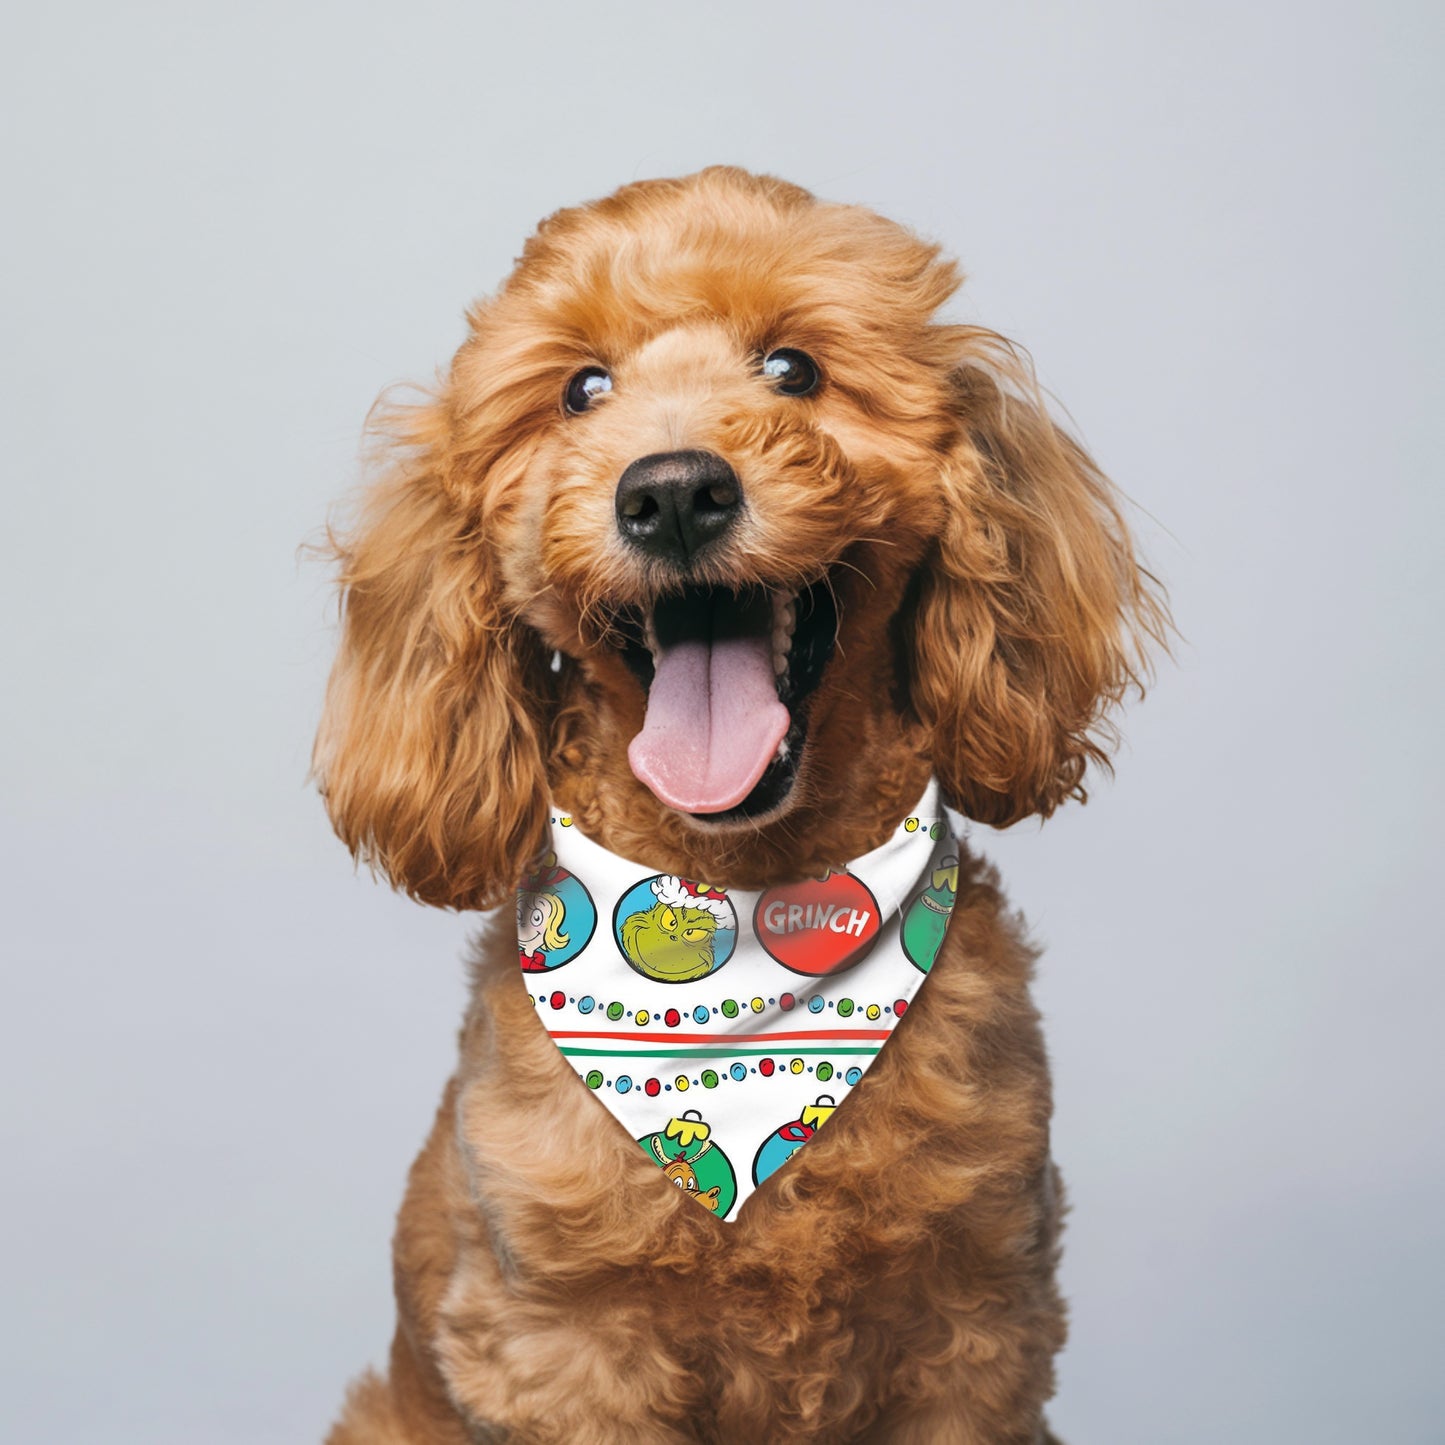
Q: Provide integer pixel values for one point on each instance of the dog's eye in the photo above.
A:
(584, 388)
(794, 373)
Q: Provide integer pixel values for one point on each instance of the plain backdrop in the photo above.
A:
(228, 228)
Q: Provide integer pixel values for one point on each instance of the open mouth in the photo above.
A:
(729, 676)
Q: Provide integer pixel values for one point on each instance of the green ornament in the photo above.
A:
(926, 921)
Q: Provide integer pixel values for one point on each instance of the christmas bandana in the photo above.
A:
(722, 1028)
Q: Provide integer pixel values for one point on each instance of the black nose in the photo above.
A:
(672, 504)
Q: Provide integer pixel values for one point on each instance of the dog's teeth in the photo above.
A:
(782, 751)
(785, 613)
(785, 620)
(649, 636)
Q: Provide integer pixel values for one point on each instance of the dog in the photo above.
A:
(720, 397)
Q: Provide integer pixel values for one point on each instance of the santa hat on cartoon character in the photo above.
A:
(680, 893)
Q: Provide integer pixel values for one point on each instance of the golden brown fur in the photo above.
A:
(896, 1281)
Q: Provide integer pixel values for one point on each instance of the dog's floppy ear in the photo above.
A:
(1033, 612)
(430, 750)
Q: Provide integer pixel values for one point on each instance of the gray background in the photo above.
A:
(230, 227)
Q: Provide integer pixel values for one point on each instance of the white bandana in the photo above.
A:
(722, 1028)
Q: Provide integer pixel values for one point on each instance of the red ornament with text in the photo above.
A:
(819, 927)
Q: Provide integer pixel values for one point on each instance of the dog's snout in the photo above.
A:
(673, 504)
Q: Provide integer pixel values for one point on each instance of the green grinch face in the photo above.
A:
(671, 944)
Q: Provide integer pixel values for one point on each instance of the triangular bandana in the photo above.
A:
(722, 1028)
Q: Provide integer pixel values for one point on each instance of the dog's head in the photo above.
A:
(710, 514)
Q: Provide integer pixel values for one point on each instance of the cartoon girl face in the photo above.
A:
(539, 922)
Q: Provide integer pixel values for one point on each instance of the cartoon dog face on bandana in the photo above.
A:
(691, 1161)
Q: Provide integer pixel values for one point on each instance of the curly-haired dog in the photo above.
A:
(717, 402)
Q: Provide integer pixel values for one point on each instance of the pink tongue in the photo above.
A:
(713, 723)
